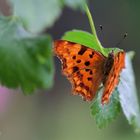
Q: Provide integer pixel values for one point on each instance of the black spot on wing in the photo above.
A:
(89, 78)
(87, 63)
(78, 61)
(86, 87)
(80, 76)
(87, 70)
(82, 50)
(75, 69)
(91, 55)
(91, 72)
(74, 57)
(81, 85)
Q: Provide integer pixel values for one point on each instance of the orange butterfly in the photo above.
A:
(87, 69)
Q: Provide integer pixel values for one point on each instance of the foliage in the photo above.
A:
(128, 94)
(27, 60)
(41, 14)
(104, 114)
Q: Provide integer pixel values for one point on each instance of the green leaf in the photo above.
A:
(40, 14)
(83, 38)
(88, 40)
(26, 61)
(104, 114)
(128, 94)
(37, 14)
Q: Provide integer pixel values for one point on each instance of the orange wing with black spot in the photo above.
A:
(113, 77)
(82, 66)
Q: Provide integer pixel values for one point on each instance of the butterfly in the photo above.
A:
(88, 69)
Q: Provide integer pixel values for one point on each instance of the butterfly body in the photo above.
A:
(87, 69)
(108, 65)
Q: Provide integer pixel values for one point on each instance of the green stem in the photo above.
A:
(91, 22)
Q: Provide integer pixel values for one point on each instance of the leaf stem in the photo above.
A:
(91, 22)
(92, 25)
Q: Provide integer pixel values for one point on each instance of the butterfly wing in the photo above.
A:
(82, 66)
(113, 77)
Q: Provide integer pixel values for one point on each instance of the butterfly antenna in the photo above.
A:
(101, 27)
(101, 32)
(121, 41)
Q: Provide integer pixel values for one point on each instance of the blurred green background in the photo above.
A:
(56, 114)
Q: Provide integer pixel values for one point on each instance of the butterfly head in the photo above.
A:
(111, 55)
